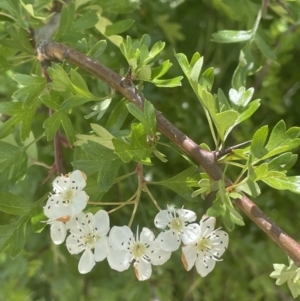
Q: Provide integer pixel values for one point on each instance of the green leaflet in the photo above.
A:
(182, 183)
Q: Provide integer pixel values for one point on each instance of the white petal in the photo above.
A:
(79, 202)
(220, 242)
(85, 222)
(73, 225)
(120, 237)
(207, 225)
(190, 233)
(168, 241)
(101, 222)
(143, 270)
(162, 219)
(157, 255)
(55, 208)
(74, 244)
(189, 255)
(58, 232)
(187, 215)
(60, 184)
(86, 262)
(146, 235)
(101, 248)
(77, 180)
(204, 265)
(119, 260)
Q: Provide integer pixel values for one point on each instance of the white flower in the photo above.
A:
(180, 229)
(208, 248)
(69, 199)
(144, 250)
(88, 232)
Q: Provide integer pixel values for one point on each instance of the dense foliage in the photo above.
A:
(223, 72)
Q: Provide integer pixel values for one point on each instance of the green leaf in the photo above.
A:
(161, 70)
(75, 84)
(218, 208)
(52, 124)
(232, 36)
(282, 140)
(283, 162)
(155, 50)
(118, 27)
(52, 100)
(136, 112)
(248, 111)
(66, 20)
(250, 187)
(104, 137)
(195, 72)
(13, 164)
(264, 48)
(184, 64)
(242, 97)
(224, 120)
(88, 20)
(13, 234)
(207, 79)
(144, 73)
(29, 8)
(15, 205)
(96, 156)
(117, 117)
(258, 142)
(107, 174)
(284, 183)
(97, 50)
(20, 39)
(222, 101)
(68, 128)
(17, 240)
(137, 149)
(150, 118)
(38, 220)
(181, 183)
(168, 83)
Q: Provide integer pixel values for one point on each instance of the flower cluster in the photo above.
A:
(91, 234)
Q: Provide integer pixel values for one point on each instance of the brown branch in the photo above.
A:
(205, 159)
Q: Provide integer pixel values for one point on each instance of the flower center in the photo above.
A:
(138, 250)
(68, 196)
(90, 240)
(204, 244)
(177, 224)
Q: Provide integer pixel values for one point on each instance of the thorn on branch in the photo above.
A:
(228, 150)
(128, 80)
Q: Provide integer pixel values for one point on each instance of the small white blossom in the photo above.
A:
(68, 199)
(180, 228)
(143, 250)
(88, 232)
(207, 249)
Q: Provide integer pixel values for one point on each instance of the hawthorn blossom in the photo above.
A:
(180, 229)
(88, 232)
(207, 249)
(68, 199)
(143, 250)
